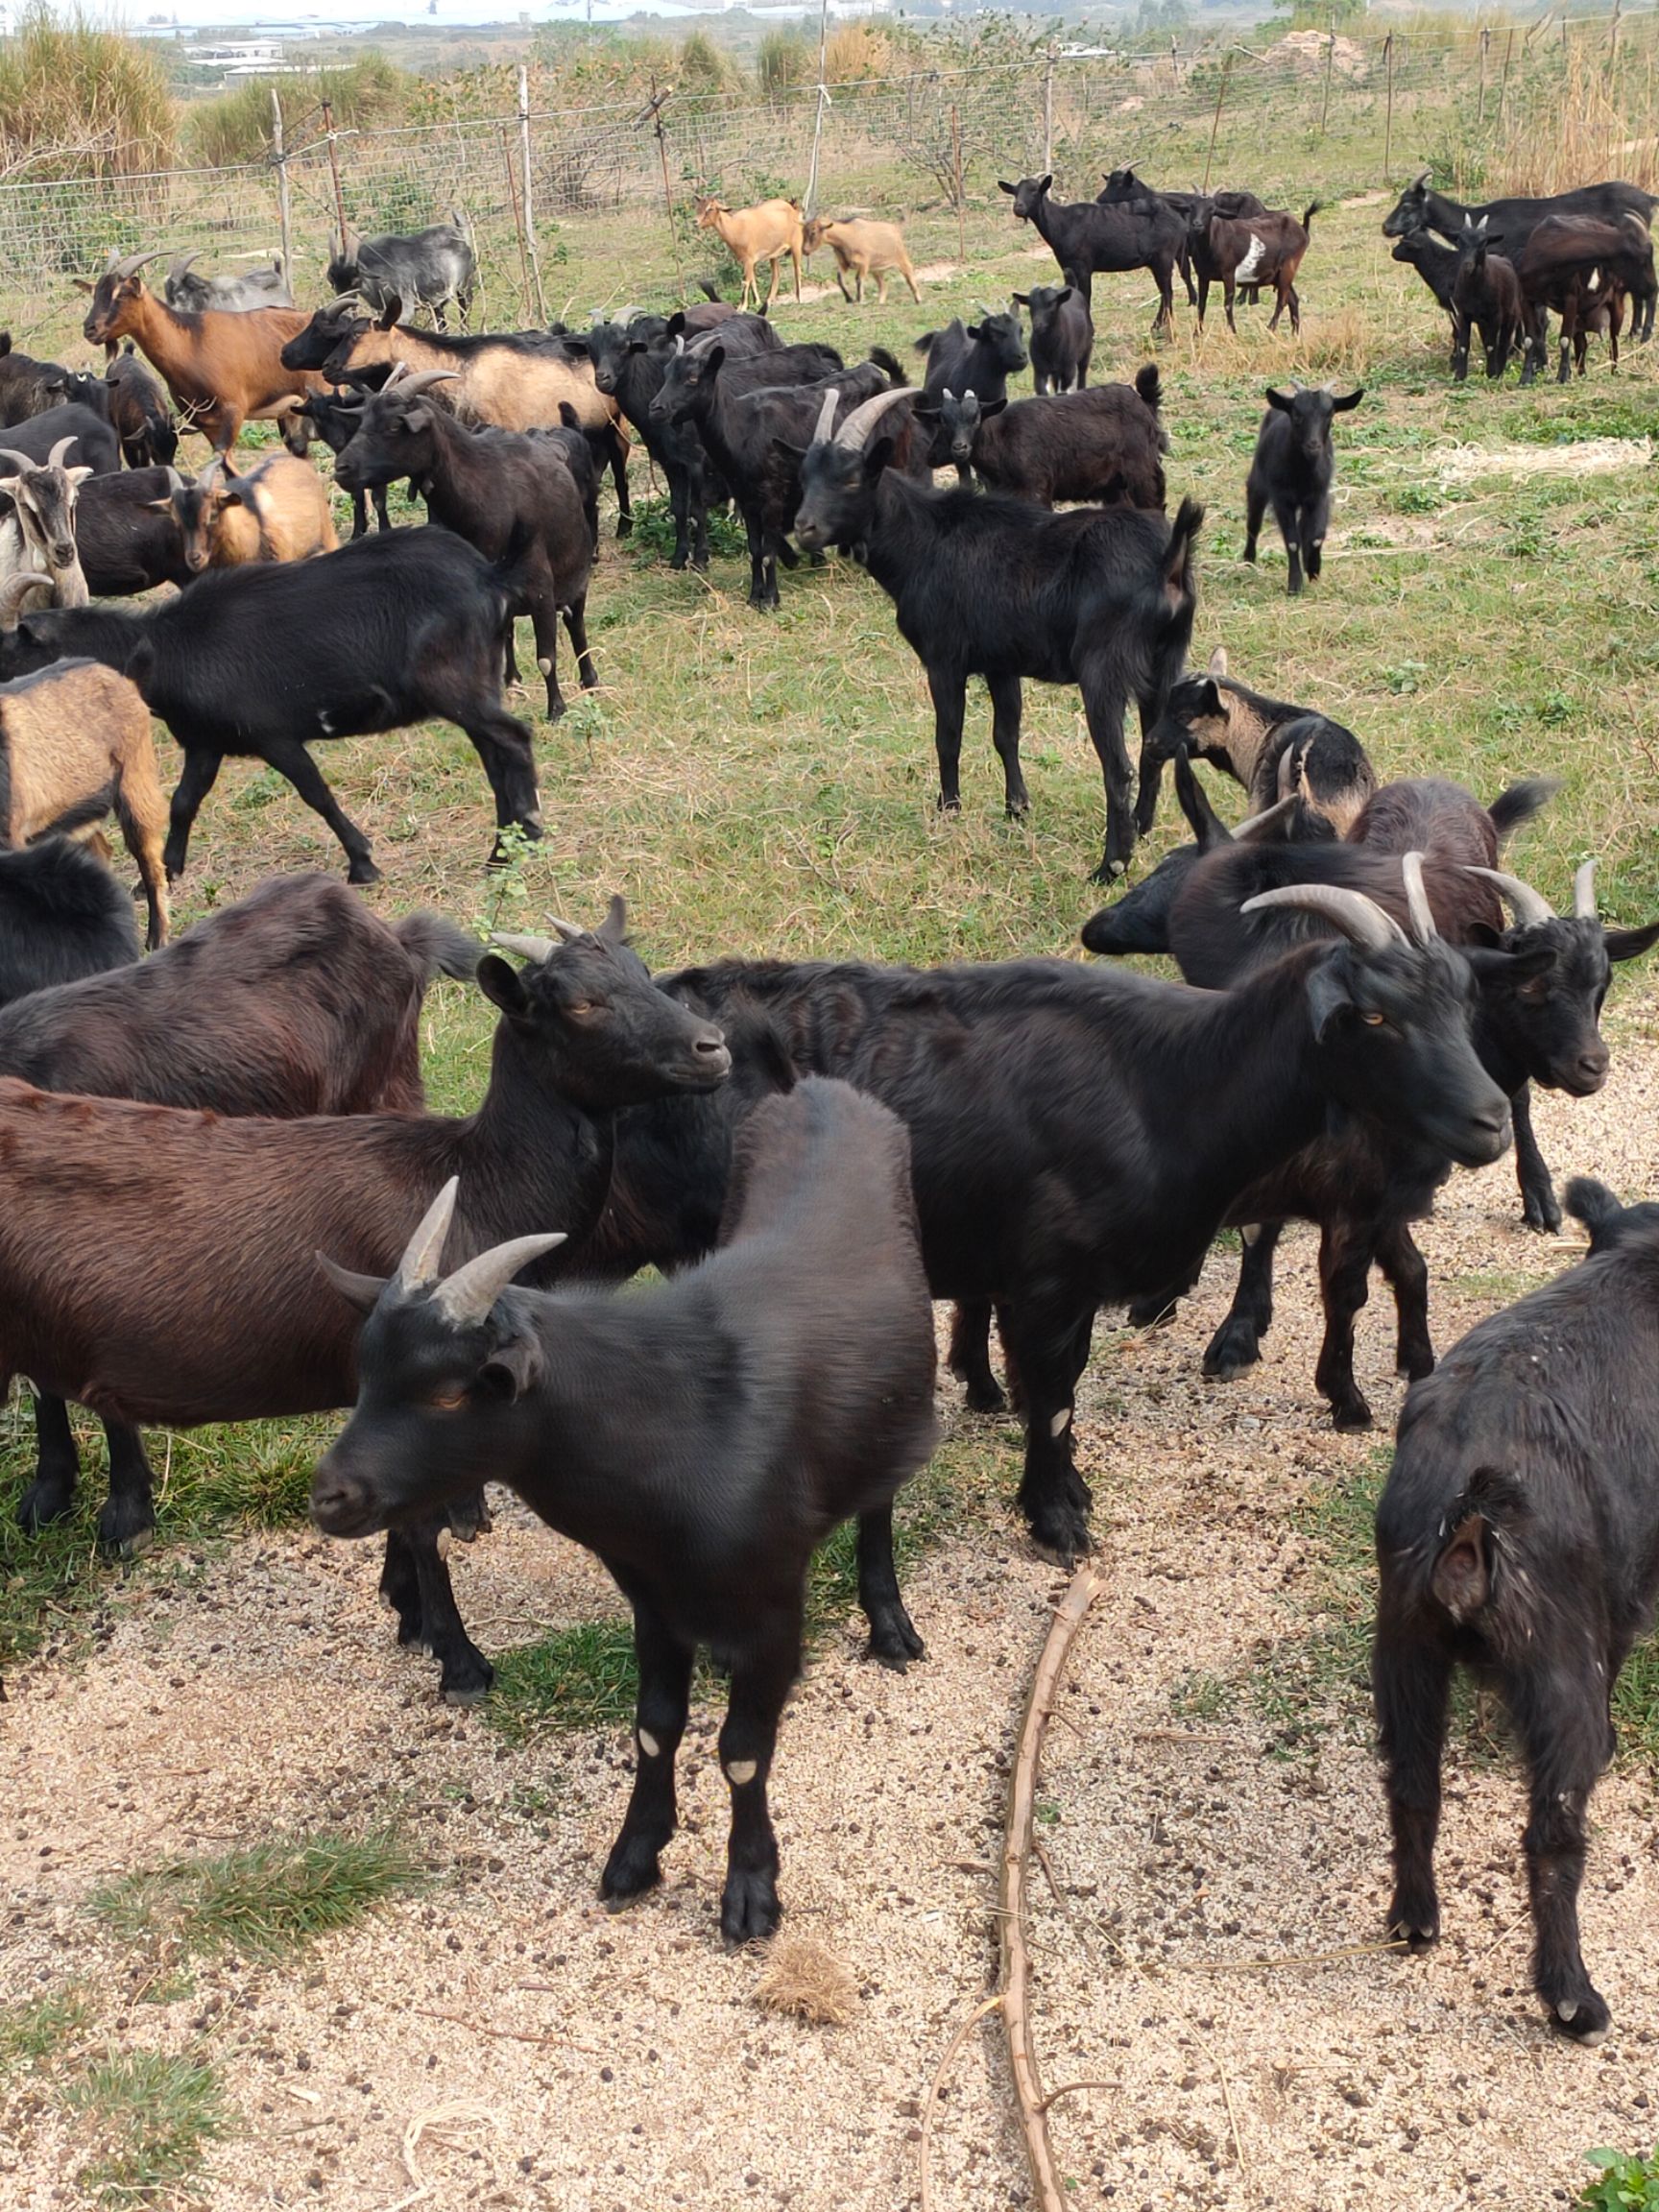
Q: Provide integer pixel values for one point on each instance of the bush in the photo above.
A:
(372, 95)
(76, 100)
(784, 62)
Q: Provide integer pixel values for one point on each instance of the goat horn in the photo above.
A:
(55, 459)
(15, 592)
(418, 1264)
(1417, 898)
(343, 300)
(419, 380)
(824, 428)
(179, 263)
(399, 371)
(1358, 918)
(23, 460)
(1531, 906)
(468, 1295)
(856, 430)
(1255, 826)
(136, 261)
(1584, 892)
(526, 947)
(569, 930)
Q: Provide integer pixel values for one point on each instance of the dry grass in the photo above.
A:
(805, 1979)
(1581, 121)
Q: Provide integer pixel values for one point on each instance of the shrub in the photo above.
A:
(371, 94)
(784, 62)
(78, 100)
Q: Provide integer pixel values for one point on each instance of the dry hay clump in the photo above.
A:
(805, 1979)
(1310, 49)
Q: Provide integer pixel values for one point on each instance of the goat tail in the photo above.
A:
(437, 946)
(1477, 1575)
(709, 290)
(888, 364)
(1312, 209)
(1179, 589)
(1149, 385)
(1516, 806)
(1594, 1204)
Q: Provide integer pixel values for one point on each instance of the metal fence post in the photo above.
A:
(524, 162)
(334, 169)
(280, 158)
(1048, 112)
(1389, 121)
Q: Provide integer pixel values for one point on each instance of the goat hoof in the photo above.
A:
(1352, 1417)
(987, 1397)
(1585, 2019)
(1109, 871)
(894, 1642)
(1417, 1926)
(1230, 1354)
(464, 1697)
(126, 1527)
(43, 1502)
(624, 525)
(363, 871)
(633, 1867)
(466, 1680)
(1017, 810)
(1412, 1366)
(749, 1908)
(1546, 1219)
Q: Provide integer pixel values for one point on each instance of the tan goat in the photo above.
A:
(764, 233)
(75, 744)
(277, 511)
(866, 248)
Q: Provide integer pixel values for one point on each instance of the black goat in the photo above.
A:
(27, 386)
(260, 662)
(1062, 335)
(63, 916)
(977, 357)
(1485, 295)
(982, 584)
(1435, 263)
(1078, 1134)
(1275, 750)
(1518, 1534)
(96, 446)
(1088, 239)
(705, 1507)
(749, 414)
(395, 274)
(1105, 444)
(139, 412)
(1291, 471)
(336, 417)
(1510, 223)
(127, 532)
(510, 494)
(196, 1297)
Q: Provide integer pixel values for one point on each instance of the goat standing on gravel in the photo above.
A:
(1292, 470)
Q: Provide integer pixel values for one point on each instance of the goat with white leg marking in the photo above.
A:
(705, 1506)
(1275, 750)
(1077, 1134)
(1062, 335)
(1104, 445)
(984, 585)
(1291, 471)
(1485, 297)
(1518, 1534)
(219, 1315)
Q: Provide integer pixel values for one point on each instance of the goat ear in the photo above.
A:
(1279, 400)
(1629, 944)
(390, 312)
(1002, 186)
(989, 407)
(1349, 400)
(789, 446)
(82, 285)
(876, 455)
(512, 1368)
(500, 985)
(1328, 995)
(1044, 183)
(1218, 661)
(360, 1291)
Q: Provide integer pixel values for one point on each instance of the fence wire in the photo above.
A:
(925, 145)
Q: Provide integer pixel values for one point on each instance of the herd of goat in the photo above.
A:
(809, 1152)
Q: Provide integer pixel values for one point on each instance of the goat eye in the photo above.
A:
(450, 1399)
(1375, 1021)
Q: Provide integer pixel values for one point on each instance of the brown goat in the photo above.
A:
(763, 233)
(866, 248)
(1261, 250)
(75, 742)
(279, 511)
(221, 369)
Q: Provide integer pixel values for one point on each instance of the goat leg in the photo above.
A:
(57, 1467)
(1407, 1273)
(633, 1865)
(893, 1637)
(970, 1355)
(1552, 1708)
(290, 759)
(949, 689)
(762, 1675)
(1103, 705)
(1006, 713)
(1539, 1207)
(463, 1673)
(1345, 1251)
(1238, 1343)
(201, 766)
(1051, 1350)
(127, 1518)
(1410, 1681)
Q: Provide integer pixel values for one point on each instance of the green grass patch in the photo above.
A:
(263, 1903)
(36, 2031)
(1203, 1697)
(1302, 1685)
(1625, 2182)
(147, 2117)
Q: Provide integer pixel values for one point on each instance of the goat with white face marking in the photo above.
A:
(1518, 1534)
(705, 1503)
(1292, 470)
(37, 524)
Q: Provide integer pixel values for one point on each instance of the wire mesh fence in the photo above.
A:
(1353, 110)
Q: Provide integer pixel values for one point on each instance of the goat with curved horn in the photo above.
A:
(15, 594)
(1584, 892)
(467, 1296)
(1530, 908)
(526, 947)
(823, 430)
(856, 432)
(136, 261)
(1358, 918)
(1423, 926)
(422, 379)
(180, 266)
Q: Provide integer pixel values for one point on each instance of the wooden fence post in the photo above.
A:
(1389, 122)
(1215, 120)
(1503, 80)
(1330, 64)
(280, 156)
(334, 169)
(1048, 110)
(956, 170)
(518, 219)
(1486, 41)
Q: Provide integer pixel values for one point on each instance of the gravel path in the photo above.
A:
(596, 2062)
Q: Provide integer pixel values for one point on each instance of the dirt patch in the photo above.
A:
(1584, 457)
(1311, 50)
(1205, 1949)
